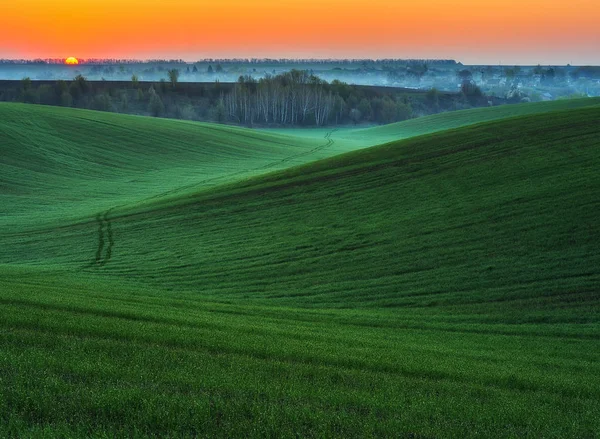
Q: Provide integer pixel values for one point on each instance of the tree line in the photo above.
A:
(294, 98)
(299, 98)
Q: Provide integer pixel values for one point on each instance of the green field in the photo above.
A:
(189, 280)
(357, 137)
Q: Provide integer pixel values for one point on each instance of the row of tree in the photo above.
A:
(299, 98)
(294, 98)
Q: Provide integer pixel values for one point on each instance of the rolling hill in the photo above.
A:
(457, 119)
(66, 162)
(440, 286)
(361, 137)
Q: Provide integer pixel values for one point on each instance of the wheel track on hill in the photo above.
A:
(105, 225)
(100, 222)
(110, 237)
(105, 236)
(329, 142)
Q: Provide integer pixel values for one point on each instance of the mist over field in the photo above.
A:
(443, 75)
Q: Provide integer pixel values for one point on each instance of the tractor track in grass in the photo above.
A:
(105, 236)
(109, 235)
(100, 222)
(329, 142)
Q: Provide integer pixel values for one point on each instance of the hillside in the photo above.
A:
(457, 119)
(94, 161)
(361, 137)
(58, 162)
(440, 286)
(456, 213)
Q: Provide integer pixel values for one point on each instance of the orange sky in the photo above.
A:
(494, 31)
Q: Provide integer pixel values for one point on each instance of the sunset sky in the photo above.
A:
(471, 31)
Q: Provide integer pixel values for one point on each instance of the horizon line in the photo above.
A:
(84, 61)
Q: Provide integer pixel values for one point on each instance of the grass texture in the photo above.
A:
(444, 285)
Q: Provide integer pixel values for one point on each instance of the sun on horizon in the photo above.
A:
(71, 61)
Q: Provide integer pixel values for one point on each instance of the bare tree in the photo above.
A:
(173, 77)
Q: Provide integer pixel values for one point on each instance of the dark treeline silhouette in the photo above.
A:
(294, 98)
(300, 98)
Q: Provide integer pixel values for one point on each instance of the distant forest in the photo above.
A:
(311, 102)
(294, 98)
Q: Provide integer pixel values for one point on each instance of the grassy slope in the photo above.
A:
(438, 122)
(457, 119)
(441, 286)
(90, 161)
(58, 162)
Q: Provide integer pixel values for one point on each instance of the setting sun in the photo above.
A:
(71, 61)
